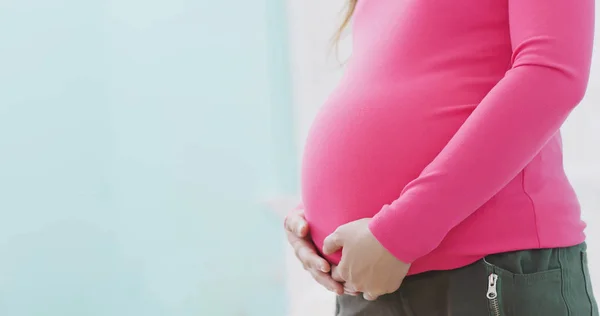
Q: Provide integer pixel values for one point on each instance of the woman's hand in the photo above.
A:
(366, 266)
(298, 236)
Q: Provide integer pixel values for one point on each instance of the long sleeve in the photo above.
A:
(552, 46)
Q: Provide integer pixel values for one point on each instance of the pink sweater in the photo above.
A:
(445, 129)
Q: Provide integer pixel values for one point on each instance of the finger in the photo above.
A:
(333, 243)
(306, 253)
(348, 292)
(348, 287)
(325, 280)
(336, 275)
(369, 297)
(296, 223)
(312, 260)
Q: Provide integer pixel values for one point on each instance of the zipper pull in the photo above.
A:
(492, 280)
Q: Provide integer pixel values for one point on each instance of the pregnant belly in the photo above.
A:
(363, 149)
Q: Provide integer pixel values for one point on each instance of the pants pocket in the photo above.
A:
(532, 294)
(539, 293)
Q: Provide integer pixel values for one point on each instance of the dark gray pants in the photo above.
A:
(542, 282)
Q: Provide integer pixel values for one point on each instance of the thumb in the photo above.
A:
(369, 297)
(333, 243)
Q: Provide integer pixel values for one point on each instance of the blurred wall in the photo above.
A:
(137, 141)
(317, 69)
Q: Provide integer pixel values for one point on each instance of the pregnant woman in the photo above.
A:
(433, 179)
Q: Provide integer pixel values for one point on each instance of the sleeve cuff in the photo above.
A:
(408, 232)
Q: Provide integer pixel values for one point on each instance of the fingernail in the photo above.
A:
(323, 268)
(299, 229)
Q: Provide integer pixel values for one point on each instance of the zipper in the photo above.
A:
(492, 294)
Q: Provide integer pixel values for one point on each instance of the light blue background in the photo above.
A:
(136, 141)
